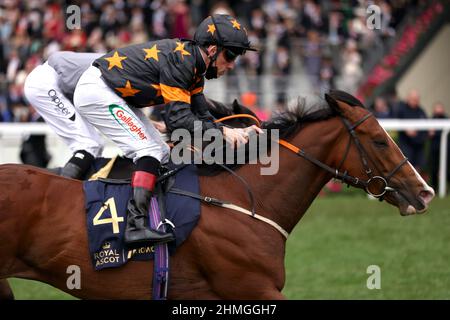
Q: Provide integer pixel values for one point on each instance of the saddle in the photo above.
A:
(106, 199)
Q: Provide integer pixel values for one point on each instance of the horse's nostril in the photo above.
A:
(426, 196)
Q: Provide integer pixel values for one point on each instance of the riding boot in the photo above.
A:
(137, 230)
(78, 165)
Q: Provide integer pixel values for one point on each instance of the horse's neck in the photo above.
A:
(285, 196)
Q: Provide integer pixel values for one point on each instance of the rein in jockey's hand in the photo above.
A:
(239, 136)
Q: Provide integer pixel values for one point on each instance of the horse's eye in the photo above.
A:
(380, 143)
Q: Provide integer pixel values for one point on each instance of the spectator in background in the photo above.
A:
(181, 21)
(435, 147)
(381, 108)
(326, 76)
(412, 142)
(313, 56)
(351, 72)
(34, 148)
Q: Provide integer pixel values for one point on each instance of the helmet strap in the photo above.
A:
(211, 71)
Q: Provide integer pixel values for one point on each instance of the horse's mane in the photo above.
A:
(299, 112)
(308, 109)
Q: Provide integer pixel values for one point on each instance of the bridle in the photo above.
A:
(344, 177)
(364, 156)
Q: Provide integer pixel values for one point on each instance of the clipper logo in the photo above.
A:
(128, 121)
(58, 103)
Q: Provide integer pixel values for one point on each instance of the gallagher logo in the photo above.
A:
(127, 120)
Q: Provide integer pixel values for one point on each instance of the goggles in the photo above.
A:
(229, 55)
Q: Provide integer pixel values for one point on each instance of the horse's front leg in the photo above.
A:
(5, 290)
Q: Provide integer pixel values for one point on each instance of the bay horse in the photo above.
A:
(228, 255)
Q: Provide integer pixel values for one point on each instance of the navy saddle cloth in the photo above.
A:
(106, 207)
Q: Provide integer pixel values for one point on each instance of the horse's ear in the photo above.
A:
(237, 108)
(332, 103)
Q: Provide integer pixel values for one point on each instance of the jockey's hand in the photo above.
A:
(253, 128)
(235, 136)
(160, 126)
(239, 136)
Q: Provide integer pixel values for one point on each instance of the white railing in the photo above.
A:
(11, 134)
(426, 124)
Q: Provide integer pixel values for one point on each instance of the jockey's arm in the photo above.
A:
(181, 115)
(186, 106)
(182, 90)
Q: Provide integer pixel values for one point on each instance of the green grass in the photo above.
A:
(329, 251)
(34, 290)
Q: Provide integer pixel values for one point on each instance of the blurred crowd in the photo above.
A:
(328, 39)
(421, 147)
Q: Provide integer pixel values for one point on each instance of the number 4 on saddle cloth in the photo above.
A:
(106, 205)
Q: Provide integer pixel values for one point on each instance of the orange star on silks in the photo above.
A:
(180, 47)
(115, 61)
(236, 24)
(151, 53)
(157, 87)
(127, 91)
(211, 29)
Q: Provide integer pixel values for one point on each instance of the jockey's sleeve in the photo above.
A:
(182, 90)
(200, 107)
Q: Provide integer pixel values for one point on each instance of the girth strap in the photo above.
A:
(228, 205)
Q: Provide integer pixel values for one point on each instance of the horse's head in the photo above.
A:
(374, 160)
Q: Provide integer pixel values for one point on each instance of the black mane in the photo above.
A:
(301, 111)
(308, 109)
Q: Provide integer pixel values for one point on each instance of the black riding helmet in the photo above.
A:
(225, 32)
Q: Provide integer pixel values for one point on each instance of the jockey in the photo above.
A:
(49, 89)
(111, 92)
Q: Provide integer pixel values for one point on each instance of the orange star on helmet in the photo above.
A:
(236, 24)
(211, 28)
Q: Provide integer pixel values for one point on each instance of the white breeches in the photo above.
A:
(125, 125)
(43, 93)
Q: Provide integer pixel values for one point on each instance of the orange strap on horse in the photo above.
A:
(240, 115)
(289, 146)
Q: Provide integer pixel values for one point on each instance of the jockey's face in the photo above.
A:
(224, 62)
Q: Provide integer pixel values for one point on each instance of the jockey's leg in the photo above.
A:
(44, 94)
(137, 138)
(143, 181)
